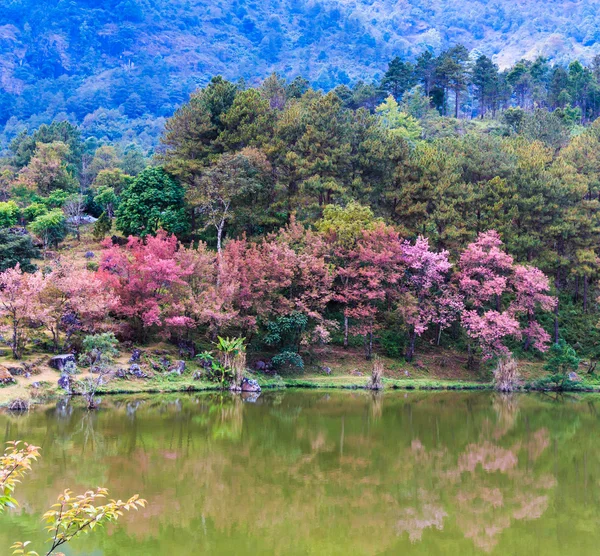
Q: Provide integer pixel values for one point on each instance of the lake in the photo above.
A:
(322, 472)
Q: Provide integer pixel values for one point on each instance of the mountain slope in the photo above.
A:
(71, 59)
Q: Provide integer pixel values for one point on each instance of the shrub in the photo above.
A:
(561, 363)
(291, 358)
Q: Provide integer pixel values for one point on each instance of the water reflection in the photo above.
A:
(335, 472)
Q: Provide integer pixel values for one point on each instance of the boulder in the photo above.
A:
(5, 376)
(58, 362)
(574, 376)
(197, 375)
(136, 354)
(326, 370)
(121, 373)
(137, 371)
(16, 371)
(250, 385)
(263, 366)
(260, 365)
(178, 367)
(65, 382)
(164, 362)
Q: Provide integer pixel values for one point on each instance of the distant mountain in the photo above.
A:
(107, 62)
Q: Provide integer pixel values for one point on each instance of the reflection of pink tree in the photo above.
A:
(488, 484)
(427, 513)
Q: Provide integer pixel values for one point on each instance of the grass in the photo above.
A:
(433, 369)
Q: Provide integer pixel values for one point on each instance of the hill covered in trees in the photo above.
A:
(120, 67)
(360, 216)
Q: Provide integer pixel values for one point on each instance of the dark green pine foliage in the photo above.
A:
(16, 247)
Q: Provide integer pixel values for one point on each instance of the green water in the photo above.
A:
(316, 472)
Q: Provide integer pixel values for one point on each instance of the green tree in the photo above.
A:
(399, 78)
(153, 200)
(106, 199)
(48, 169)
(133, 161)
(113, 178)
(248, 123)
(191, 133)
(50, 228)
(24, 145)
(398, 122)
(231, 189)
(9, 214)
(17, 248)
(102, 227)
(486, 80)
(453, 72)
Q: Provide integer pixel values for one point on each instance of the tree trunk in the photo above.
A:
(456, 103)
(585, 293)
(345, 331)
(369, 345)
(557, 284)
(470, 358)
(15, 341)
(410, 352)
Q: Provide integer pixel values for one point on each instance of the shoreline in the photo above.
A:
(390, 385)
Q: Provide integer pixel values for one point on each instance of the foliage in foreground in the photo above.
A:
(71, 516)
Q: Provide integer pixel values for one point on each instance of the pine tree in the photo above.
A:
(102, 227)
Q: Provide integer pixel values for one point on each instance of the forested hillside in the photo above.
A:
(119, 67)
(295, 218)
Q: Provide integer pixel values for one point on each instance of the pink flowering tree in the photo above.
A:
(425, 286)
(208, 302)
(370, 280)
(75, 296)
(532, 287)
(282, 274)
(20, 306)
(487, 278)
(149, 281)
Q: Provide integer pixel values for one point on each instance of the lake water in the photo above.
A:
(323, 472)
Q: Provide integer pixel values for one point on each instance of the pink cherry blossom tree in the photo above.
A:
(425, 283)
(20, 305)
(488, 278)
(149, 282)
(532, 287)
(75, 293)
(370, 280)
